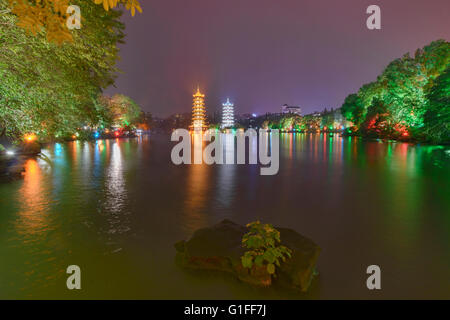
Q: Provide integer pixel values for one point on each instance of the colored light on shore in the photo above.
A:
(116, 133)
(96, 134)
(30, 137)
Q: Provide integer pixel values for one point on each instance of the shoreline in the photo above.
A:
(12, 166)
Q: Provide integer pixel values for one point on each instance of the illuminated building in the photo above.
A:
(227, 114)
(291, 109)
(198, 111)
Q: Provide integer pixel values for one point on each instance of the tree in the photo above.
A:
(376, 123)
(353, 109)
(51, 90)
(437, 117)
(405, 96)
(288, 121)
(433, 59)
(145, 121)
(123, 111)
(402, 92)
(327, 119)
(50, 16)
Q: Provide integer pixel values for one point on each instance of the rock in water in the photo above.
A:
(219, 248)
(11, 168)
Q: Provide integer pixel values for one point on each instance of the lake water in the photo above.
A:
(116, 207)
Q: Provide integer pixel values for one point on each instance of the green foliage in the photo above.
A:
(437, 117)
(397, 104)
(376, 122)
(50, 16)
(328, 119)
(353, 109)
(120, 110)
(310, 123)
(52, 90)
(263, 242)
(288, 122)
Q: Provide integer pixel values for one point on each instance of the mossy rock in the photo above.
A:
(219, 248)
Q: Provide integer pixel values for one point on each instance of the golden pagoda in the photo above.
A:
(198, 111)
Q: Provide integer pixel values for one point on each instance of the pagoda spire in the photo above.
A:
(227, 114)
(198, 111)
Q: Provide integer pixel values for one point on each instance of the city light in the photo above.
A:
(30, 137)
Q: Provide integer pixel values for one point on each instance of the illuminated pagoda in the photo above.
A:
(198, 111)
(227, 114)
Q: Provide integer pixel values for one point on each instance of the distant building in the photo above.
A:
(291, 109)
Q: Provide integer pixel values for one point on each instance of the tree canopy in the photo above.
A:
(437, 116)
(49, 89)
(401, 98)
(49, 16)
(123, 111)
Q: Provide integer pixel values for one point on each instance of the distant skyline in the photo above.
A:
(264, 53)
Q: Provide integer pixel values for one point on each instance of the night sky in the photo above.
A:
(264, 53)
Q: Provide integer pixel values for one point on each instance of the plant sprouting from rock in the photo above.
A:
(263, 242)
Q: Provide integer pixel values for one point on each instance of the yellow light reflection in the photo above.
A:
(34, 203)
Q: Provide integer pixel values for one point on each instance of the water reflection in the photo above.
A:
(197, 196)
(32, 222)
(361, 201)
(33, 225)
(115, 182)
(226, 180)
(115, 208)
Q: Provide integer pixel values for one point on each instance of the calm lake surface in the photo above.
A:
(116, 207)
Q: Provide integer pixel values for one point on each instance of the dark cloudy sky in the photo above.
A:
(264, 53)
